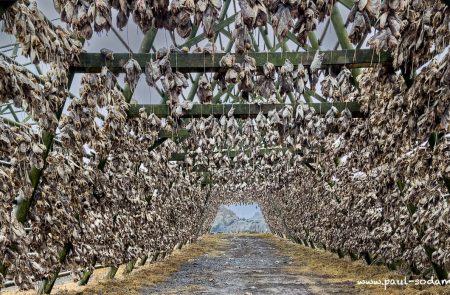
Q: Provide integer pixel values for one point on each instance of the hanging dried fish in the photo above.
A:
(229, 71)
(182, 10)
(282, 21)
(286, 78)
(254, 13)
(132, 73)
(248, 68)
(316, 64)
(266, 82)
(300, 79)
(241, 36)
(204, 90)
(207, 12)
(38, 40)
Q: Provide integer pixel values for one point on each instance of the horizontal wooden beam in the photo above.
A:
(207, 169)
(200, 62)
(177, 136)
(234, 153)
(240, 110)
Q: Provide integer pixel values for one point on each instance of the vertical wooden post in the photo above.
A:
(154, 257)
(87, 275)
(129, 267)
(48, 283)
(112, 272)
(143, 260)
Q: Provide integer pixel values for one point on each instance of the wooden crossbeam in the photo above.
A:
(240, 110)
(206, 169)
(222, 24)
(176, 136)
(234, 153)
(200, 62)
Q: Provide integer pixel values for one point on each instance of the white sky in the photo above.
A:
(244, 211)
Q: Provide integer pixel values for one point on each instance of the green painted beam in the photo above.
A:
(313, 40)
(200, 62)
(234, 153)
(177, 136)
(347, 3)
(339, 27)
(342, 35)
(217, 27)
(49, 282)
(148, 40)
(240, 110)
(35, 174)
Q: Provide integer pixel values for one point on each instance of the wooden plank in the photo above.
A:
(179, 134)
(233, 153)
(176, 136)
(240, 110)
(200, 62)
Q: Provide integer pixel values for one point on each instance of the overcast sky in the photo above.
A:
(244, 211)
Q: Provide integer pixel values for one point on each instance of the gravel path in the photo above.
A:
(249, 266)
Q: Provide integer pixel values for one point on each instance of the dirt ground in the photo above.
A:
(247, 264)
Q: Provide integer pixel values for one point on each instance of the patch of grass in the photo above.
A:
(326, 268)
(256, 235)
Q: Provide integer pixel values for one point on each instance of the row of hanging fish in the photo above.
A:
(383, 176)
(297, 17)
(87, 17)
(378, 189)
(38, 38)
(413, 31)
(113, 214)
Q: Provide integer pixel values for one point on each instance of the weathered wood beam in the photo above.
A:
(240, 110)
(234, 153)
(200, 62)
(176, 136)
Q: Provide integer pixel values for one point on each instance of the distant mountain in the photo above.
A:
(228, 222)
